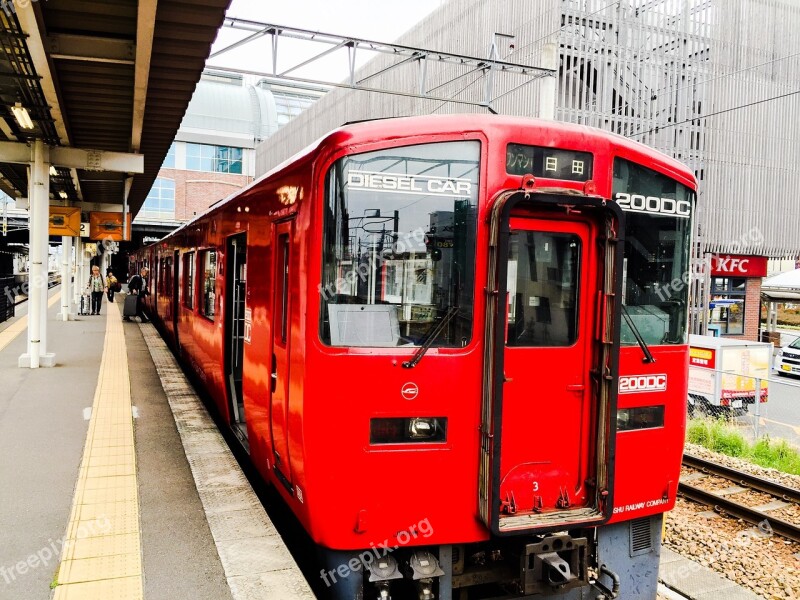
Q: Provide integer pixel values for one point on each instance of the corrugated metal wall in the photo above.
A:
(753, 168)
(664, 72)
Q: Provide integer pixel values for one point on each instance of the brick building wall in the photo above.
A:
(195, 191)
(752, 309)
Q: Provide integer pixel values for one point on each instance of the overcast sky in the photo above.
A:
(378, 20)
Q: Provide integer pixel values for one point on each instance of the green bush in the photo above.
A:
(720, 436)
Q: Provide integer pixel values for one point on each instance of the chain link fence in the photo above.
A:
(731, 396)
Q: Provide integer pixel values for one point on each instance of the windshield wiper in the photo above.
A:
(431, 337)
(648, 356)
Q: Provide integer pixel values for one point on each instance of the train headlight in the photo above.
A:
(423, 428)
(404, 430)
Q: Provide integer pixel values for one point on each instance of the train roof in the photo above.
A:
(397, 128)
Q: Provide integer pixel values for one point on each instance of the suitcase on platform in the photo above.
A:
(129, 309)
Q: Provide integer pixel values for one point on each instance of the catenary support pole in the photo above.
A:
(547, 84)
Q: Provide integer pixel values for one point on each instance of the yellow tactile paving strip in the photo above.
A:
(102, 556)
(17, 327)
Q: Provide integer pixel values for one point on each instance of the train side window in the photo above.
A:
(283, 282)
(188, 280)
(161, 276)
(167, 279)
(543, 270)
(208, 262)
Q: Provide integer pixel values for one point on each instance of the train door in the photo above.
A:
(281, 311)
(547, 366)
(176, 286)
(235, 290)
(547, 450)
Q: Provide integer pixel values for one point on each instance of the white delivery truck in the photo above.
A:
(724, 372)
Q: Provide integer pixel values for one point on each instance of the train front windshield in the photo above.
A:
(399, 247)
(658, 223)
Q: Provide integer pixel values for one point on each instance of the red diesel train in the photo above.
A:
(456, 345)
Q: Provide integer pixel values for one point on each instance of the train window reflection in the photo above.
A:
(399, 246)
(208, 261)
(543, 271)
(656, 260)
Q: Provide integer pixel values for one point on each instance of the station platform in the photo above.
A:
(115, 482)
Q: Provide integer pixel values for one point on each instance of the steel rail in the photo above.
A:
(728, 506)
(744, 479)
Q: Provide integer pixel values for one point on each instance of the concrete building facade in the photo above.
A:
(213, 153)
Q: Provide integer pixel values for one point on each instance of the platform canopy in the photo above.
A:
(111, 76)
(783, 287)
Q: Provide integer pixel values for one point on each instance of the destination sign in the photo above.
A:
(402, 183)
(552, 163)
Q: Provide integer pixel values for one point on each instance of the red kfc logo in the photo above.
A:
(730, 265)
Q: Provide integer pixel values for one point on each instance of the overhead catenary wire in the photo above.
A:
(658, 128)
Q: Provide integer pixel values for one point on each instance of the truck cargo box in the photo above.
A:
(723, 373)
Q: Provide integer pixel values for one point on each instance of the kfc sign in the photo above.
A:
(730, 265)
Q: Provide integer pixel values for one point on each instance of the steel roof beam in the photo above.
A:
(75, 158)
(405, 55)
(26, 14)
(145, 29)
(67, 46)
(373, 46)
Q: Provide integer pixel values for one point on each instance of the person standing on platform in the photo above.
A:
(112, 285)
(97, 287)
(138, 286)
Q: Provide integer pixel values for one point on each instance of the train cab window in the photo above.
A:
(188, 280)
(655, 293)
(543, 271)
(208, 262)
(399, 246)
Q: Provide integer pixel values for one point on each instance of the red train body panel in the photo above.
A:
(254, 294)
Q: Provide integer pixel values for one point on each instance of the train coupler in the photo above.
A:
(558, 562)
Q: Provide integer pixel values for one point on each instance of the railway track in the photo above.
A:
(726, 502)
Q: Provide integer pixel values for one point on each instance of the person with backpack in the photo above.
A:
(112, 284)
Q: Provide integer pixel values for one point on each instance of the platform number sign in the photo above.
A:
(552, 163)
(84, 230)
